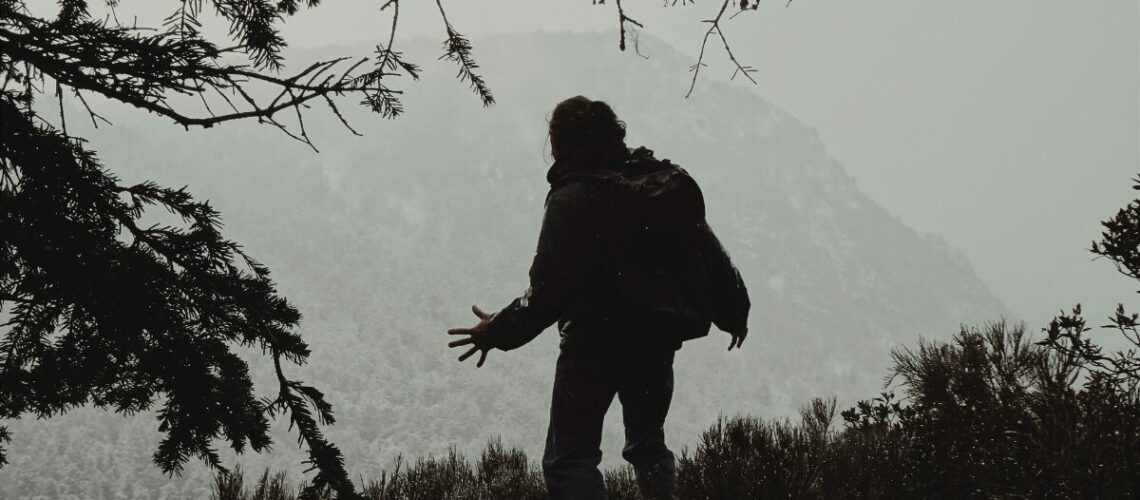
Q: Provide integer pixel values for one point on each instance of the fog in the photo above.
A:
(899, 169)
(1010, 128)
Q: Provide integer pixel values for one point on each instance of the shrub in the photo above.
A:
(987, 415)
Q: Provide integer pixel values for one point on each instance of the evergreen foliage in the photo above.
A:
(115, 313)
(107, 310)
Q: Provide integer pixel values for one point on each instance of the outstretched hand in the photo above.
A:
(477, 337)
(737, 340)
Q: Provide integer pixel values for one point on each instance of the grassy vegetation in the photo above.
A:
(987, 415)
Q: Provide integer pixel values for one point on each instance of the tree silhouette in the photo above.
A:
(1118, 370)
(1120, 243)
(99, 307)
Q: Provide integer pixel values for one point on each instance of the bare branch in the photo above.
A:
(622, 19)
(637, 46)
(94, 116)
(715, 26)
(62, 116)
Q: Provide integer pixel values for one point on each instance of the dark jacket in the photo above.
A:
(610, 273)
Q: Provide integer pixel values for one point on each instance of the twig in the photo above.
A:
(336, 111)
(459, 51)
(392, 31)
(637, 46)
(714, 25)
(90, 112)
(301, 124)
(622, 19)
(62, 116)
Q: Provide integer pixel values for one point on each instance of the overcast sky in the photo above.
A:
(1009, 127)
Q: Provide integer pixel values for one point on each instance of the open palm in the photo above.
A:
(478, 337)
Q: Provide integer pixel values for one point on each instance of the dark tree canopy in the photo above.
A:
(98, 307)
(1120, 240)
(110, 313)
(1120, 243)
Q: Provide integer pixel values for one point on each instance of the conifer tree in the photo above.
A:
(99, 308)
(104, 310)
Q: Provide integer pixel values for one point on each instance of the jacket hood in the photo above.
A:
(611, 159)
(641, 160)
(605, 164)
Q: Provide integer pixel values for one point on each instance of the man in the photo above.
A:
(628, 267)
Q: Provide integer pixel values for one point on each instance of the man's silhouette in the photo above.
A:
(628, 267)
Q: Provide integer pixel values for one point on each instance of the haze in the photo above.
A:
(1010, 128)
(900, 168)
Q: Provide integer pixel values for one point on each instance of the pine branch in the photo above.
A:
(324, 457)
(198, 299)
(5, 438)
(133, 66)
(457, 49)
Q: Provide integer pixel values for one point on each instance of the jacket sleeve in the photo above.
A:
(730, 303)
(541, 305)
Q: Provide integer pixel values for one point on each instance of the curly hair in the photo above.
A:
(580, 127)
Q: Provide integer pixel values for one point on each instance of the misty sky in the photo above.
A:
(1010, 128)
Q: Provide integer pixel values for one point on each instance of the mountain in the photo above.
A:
(384, 240)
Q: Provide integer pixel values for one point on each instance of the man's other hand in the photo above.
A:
(737, 340)
(477, 337)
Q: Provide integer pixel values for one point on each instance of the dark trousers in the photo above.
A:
(585, 383)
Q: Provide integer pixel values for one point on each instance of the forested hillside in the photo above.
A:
(383, 241)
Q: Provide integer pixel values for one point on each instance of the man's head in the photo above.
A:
(580, 127)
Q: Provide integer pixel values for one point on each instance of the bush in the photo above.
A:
(987, 415)
(992, 415)
(745, 457)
